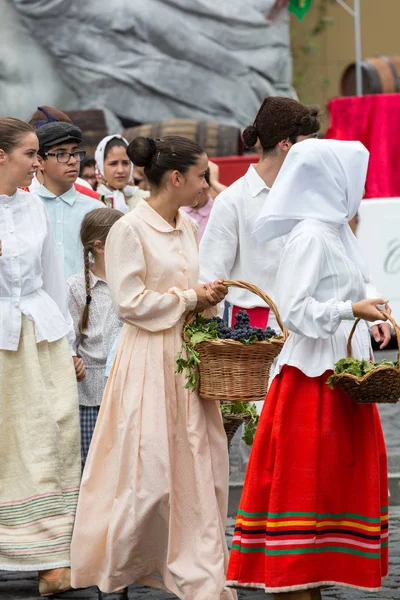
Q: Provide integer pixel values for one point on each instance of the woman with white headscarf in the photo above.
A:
(314, 507)
(115, 174)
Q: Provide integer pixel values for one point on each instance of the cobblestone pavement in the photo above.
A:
(23, 586)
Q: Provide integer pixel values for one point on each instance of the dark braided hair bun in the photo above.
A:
(309, 122)
(141, 151)
(250, 136)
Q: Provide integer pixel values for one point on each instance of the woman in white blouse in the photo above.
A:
(39, 425)
(314, 506)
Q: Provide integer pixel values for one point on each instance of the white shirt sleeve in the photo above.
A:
(299, 275)
(218, 246)
(53, 279)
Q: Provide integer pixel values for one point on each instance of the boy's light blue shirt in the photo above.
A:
(66, 213)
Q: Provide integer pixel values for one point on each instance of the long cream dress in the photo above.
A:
(153, 501)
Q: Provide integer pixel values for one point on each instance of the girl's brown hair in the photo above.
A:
(162, 155)
(11, 133)
(95, 227)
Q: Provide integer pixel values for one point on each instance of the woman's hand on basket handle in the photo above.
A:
(217, 291)
(369, 309)
(209, 294)
(382, 332)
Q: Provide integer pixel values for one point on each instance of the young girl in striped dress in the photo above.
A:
(313, 511)
(95, 322)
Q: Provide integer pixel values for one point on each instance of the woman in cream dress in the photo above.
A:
(154, 494)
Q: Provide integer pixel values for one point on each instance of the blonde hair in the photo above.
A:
(95, 226)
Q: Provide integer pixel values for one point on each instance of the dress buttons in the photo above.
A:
(180, 252)
(58, 220)
(6, 206)
(59, 243)
(15, 255)
(17, 304)
(16, 281)
(11, 230)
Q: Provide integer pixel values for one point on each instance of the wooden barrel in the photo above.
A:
(93, 125)
(215, 138)
(380, 75)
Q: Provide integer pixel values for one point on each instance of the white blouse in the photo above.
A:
(31, 273)
(315, 289)
(228, 249)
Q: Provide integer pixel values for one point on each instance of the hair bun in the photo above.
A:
(310, 121)
(152, 145)
(250, 136)
(312, 113)
(315, 110)
(141, 151)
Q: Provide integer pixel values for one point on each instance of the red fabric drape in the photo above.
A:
(374, 121)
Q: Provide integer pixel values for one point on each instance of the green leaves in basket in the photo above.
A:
(246, 410)
(356, 367)
(252, 340)
(201, 330)
(188, 365)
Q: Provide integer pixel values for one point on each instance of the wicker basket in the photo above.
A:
(237, 372)
(231, 425)
(382, 385)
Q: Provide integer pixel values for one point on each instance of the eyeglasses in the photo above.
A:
(65, 157)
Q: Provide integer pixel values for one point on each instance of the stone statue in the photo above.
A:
(143, 60)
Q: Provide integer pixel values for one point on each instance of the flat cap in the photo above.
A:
(57, 132)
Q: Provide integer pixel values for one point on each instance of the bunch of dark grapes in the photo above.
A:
(242, 329)
(223, 331)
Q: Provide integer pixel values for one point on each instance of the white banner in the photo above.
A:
(379, 235)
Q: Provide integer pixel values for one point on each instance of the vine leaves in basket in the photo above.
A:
(248, 412)
(189, 365)
(355, 367)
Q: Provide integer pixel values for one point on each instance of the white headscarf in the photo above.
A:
(118, 196)
(323, 180)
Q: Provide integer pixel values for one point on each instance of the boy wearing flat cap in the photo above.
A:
(60, 158)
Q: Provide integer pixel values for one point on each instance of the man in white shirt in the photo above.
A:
(227, 248)
(60, 157)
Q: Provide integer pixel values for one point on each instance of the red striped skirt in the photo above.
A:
(314, 508)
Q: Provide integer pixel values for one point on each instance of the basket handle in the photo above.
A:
(389, 318)
(250, 287)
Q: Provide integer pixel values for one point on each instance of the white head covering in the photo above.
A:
(323, 180)
(117, 196)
